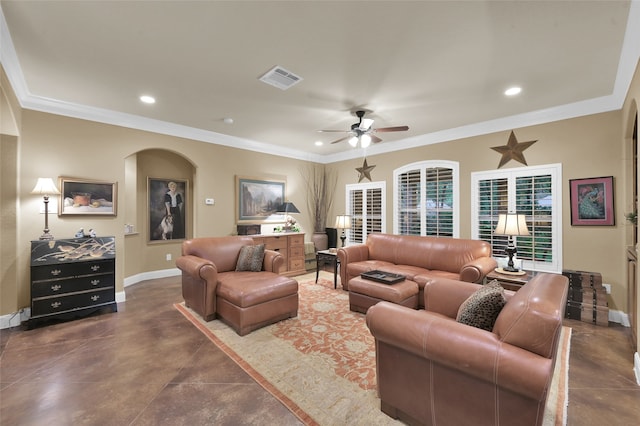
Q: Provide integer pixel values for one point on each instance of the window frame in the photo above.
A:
(422, 166)
(364, 187)
(555, 172)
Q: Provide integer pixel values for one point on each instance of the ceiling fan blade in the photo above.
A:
(392, 129)
(365, 124)
(333, 131)
(375, 139)
(342, 139)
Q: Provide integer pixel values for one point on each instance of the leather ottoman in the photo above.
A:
(365, 293)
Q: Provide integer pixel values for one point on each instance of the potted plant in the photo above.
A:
(321, 184)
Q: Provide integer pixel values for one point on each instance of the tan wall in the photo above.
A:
(52, 146)
(629, 115)
(586, 147)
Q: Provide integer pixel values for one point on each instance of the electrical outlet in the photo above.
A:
(168, 256)
(607, 288)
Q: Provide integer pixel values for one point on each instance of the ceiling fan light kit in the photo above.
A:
(362, 132)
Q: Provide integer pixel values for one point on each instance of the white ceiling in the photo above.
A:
(440, 67)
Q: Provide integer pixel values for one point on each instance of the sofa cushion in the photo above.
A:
(251, 258)
(481, 309)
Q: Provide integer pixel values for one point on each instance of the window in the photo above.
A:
(366, 205)
(426, 199)
(535, 192)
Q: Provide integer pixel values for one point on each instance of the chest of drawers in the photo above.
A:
(291, 246)
(72, 277)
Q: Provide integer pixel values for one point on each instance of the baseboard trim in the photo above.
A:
(619, 317)
(143, 276)
(636, 367)
(15, 319)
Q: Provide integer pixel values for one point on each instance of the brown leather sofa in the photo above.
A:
(432, 370)
(245, 300)
(417, 258)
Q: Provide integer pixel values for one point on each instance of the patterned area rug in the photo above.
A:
(321, 364)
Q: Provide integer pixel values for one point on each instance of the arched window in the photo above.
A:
(426, 198)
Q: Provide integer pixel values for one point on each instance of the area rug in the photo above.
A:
(321, 364)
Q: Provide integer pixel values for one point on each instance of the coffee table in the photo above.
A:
(331, 258)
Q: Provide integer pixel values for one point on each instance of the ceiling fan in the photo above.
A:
(362, 131)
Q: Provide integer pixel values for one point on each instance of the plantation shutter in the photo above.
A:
(439, 202)
(426, 196)
(534, 192)
(365, 204)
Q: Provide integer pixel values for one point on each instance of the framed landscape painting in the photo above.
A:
(257, 200)
(87, 197)
(592, 201)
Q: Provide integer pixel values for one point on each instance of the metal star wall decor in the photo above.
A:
(365, 171)
(513, 150)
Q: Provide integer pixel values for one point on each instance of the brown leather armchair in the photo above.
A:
(433, 370)
(244, 300)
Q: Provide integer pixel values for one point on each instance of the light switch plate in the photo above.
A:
(209, 201)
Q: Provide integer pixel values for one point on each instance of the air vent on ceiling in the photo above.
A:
(280, 78)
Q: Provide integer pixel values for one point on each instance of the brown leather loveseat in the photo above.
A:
(433, 370)
(245, 300)
(417, 258)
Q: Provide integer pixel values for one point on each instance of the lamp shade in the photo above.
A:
(288, 207)
(511, 224)
(343, 222)
(45, 186)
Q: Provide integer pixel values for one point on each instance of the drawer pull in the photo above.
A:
(95, 297)
(56, 272)
(95, 268)
(95, 282)
(56, 287)
(56, 305)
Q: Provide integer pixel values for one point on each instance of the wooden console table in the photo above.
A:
(510, 282)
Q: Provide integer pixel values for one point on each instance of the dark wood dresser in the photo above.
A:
(72, 277)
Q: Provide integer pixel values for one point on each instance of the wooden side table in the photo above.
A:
(508, 281)
(323, 257)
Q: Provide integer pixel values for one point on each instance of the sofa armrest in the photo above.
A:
(273, 260)
(469, 350)
(444, 296)
(198, 268)
(475, 270)
(350, 254)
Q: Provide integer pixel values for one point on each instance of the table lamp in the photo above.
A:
(343, 222)
(286, 208)
(511, 224)
(45, 187)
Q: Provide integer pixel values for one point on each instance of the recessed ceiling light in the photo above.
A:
(512, 91)
(148, 99)
(318, 143)
(227, 120)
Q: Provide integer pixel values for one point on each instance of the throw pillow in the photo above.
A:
(481, 309)
(251, 258)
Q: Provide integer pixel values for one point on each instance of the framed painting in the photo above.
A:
(167, 204)
(257, 200)
(87, 197)
(592, 201)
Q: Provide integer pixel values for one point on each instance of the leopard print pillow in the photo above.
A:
(251, 258)
(481, 309)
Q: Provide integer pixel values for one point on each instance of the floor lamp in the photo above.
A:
(45, 187)
(511, 224)
(343, 222)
